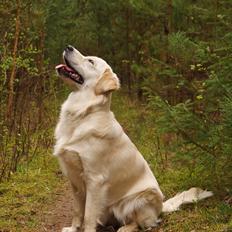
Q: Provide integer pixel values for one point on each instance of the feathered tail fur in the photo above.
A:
(186, 197)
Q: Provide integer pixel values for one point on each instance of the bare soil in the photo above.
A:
(59, 214)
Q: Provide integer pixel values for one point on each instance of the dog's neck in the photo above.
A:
(83, 103)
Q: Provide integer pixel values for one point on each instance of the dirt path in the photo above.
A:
(59, 214)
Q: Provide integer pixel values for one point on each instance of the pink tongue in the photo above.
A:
(63, 66)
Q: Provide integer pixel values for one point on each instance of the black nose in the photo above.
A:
(69, 48)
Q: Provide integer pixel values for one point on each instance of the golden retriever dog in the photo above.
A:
(108, 175)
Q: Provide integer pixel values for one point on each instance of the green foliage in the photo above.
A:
(202, 123)
(181, 47)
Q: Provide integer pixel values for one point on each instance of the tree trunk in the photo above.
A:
(170, 13)
(9, 108)
(41, 73)
(128, 60)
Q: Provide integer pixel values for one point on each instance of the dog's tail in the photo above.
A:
(186, 197)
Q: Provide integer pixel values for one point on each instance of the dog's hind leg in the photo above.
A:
(147, 216)
(139, 211)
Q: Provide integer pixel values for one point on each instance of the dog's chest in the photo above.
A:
(64, 128)
(68, 121)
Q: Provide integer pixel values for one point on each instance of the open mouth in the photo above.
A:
(67, 71)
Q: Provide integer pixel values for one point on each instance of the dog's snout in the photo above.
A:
(69, 48)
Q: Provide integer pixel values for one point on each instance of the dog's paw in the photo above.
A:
(123, 229)
(69, 229)
(128, 228)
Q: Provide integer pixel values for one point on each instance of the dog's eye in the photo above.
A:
(91, 61)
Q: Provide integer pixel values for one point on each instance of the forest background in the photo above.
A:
(174, 60)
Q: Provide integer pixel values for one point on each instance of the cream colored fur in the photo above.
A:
(108, 174)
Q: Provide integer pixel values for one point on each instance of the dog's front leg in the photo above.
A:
(78, 207)
(71, 166)
(96, 192)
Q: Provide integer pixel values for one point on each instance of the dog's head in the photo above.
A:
(87, 72)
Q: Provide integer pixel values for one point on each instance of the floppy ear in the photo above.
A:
(107, 83)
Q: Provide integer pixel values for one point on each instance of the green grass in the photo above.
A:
(31, 190)
(28, 193)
